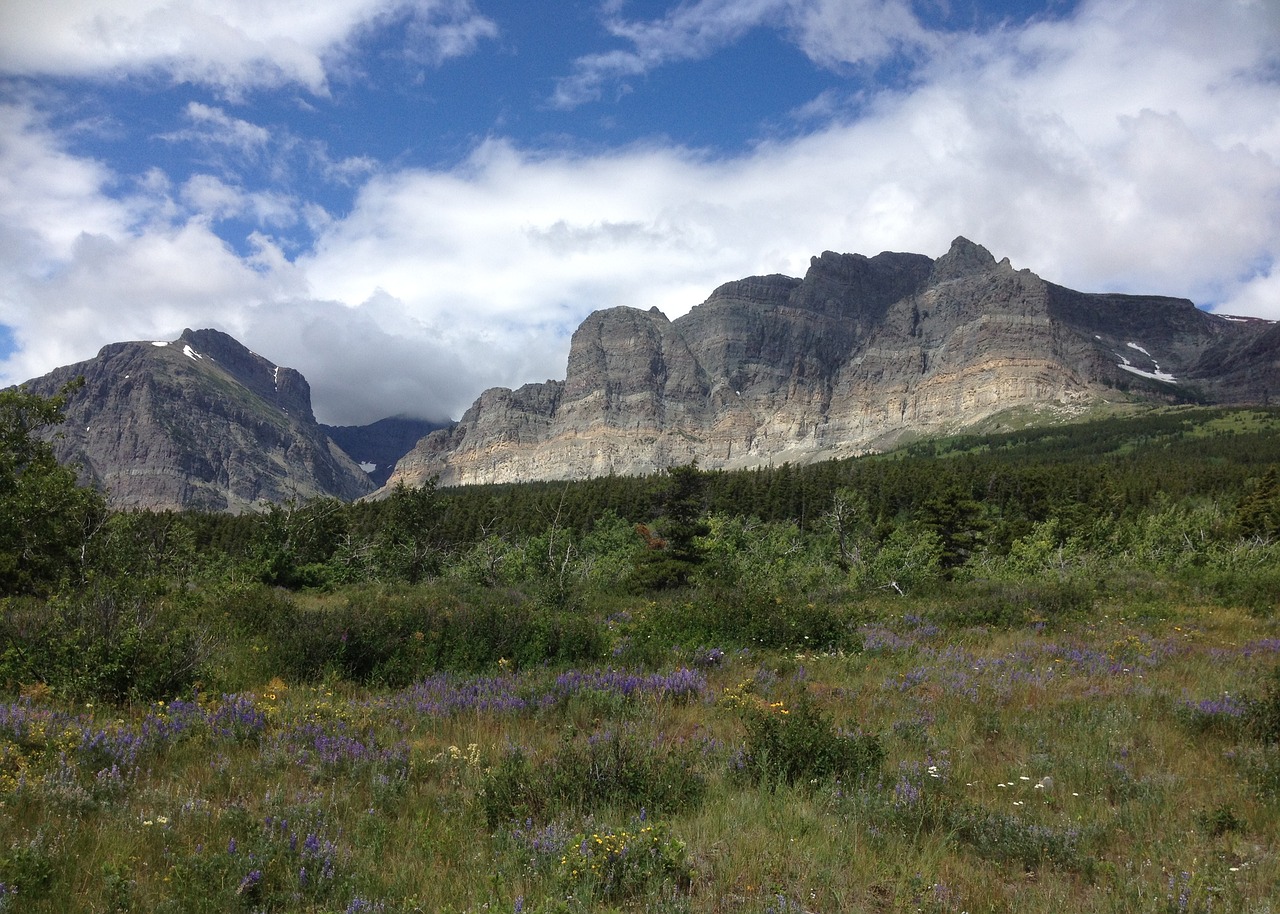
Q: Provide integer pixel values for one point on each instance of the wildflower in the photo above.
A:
(249, 882)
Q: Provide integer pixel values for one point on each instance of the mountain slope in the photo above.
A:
(378, 446)
(857, 354)
(199, 422)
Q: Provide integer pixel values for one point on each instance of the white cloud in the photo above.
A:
(214, 126)
(832, 33)
(232, 45)
(1133, 147)
(836, 33)
(689, 32)
(209, 197)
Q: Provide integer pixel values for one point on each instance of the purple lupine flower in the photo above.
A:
(250, 882)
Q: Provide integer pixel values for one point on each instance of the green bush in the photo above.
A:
(391, 637)
(1008, 604)
(617, 864)
(27, 867)
(1262, 712)
(107, 644)
(727, 618)
(611, 769)
(794, 742)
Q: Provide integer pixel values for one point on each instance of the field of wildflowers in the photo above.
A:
(1037, 673)
(1116, 760)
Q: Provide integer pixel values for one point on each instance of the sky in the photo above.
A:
(413, 200)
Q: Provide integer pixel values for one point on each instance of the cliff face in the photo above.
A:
(200, 422)
(857, 353)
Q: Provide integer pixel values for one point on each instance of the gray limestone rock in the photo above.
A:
(858, 353)
(199, 422)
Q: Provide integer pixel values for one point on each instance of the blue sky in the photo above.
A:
(412, 200)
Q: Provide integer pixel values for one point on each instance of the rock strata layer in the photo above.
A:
(856, 354)
(200, 422)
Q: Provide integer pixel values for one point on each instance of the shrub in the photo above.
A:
(616, 769)
(108, 644)
(1262, 713)
(788, 623)
(27, 867)
(1001, 836)
(390, 638)
(1220, 820)
(614, 865)
(1012, 605)
(795, 742)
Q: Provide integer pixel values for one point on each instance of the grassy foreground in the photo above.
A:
(1117, 761)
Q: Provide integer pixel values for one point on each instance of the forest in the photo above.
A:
(1034, 671)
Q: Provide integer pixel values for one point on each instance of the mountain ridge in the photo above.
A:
(857, 355)
(848, 359)
(197, 422)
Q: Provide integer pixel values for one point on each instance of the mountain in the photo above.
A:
(860, 353)
(199, 422)
(377, 447)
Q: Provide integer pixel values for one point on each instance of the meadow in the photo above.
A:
(1122, 759)
(941, 684)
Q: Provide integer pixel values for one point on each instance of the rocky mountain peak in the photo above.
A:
(844, 284)
(198, 422)
(283, 387)
(963, 259)
(770, 291)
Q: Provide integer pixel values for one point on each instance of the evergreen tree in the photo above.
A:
(1258, 515)
(670, 559)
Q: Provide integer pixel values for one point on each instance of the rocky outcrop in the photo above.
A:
(200, 422)
(859, 352)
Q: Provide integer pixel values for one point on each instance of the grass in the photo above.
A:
(1096, 765)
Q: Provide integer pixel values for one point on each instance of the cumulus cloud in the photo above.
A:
(231, 45)
(1130, 147)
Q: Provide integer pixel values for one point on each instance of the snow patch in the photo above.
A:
(368, 467)
(275, 376)
(159, 343)
(1155, 374)
(191, 354)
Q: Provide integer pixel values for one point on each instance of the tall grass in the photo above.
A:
(1050, 752)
